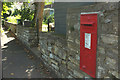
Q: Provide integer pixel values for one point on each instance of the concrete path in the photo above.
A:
(18, 62)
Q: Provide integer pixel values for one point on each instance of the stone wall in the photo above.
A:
(27, 35)
(62, 53)
(107, 47)
(53, 50)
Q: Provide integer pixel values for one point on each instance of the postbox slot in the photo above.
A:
(87, 23)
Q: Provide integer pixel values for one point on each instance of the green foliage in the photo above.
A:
(44, 18)
(9, 29)
(16, 12)
(25, 12)
(1, 30)
(48, 2)
(7, 3)
(51, 19)
(6, 9)
(13, 19)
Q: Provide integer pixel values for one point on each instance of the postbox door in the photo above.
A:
(88, 43)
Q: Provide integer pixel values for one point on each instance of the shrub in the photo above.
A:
(51, 19)
(13, 19)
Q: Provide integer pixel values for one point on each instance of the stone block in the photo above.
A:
(73, 46)
(69, 76)
(71, 66)
(107, 20)
(70, 72)
(77, 57)
(70, 38)
(101, 50)
(77, 41)
(72, 53)
(73, 60)
(109, 29)
(57, 59)
(77, 26)
(63, 70)
(45, 57)
(60, 43)
(101, 60)
(113, 6)
(54, 62)
(109, 39)
(63, 62)
(101, 71)
(115, 73)
(50, 49)
(51, 55)
(56, 67)
(56, 50)
(43, 50)
(112, 54)
(62, 54)
(115, 51)
(111, 63)
(78, 74)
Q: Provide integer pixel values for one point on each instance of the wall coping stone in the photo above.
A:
(57, 37)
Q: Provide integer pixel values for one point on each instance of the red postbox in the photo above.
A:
(88, 43)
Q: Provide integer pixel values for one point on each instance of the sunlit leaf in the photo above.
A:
(12, 74)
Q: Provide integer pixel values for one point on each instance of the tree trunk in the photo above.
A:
(39, 14)
(36, 5)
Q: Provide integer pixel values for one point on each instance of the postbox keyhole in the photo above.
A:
(88, 18)
(83, 66)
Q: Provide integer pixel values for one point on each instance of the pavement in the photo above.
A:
(18, 62)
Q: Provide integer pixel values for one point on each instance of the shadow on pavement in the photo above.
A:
(19, 63)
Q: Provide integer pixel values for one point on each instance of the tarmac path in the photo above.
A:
(18, 62)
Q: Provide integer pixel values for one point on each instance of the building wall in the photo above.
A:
(60, 14)
(107, 47)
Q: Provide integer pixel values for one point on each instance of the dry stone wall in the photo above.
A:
(54, 52)
(27, 36)
(62, 54)
(107, 46)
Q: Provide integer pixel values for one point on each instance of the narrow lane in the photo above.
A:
(18, 62)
